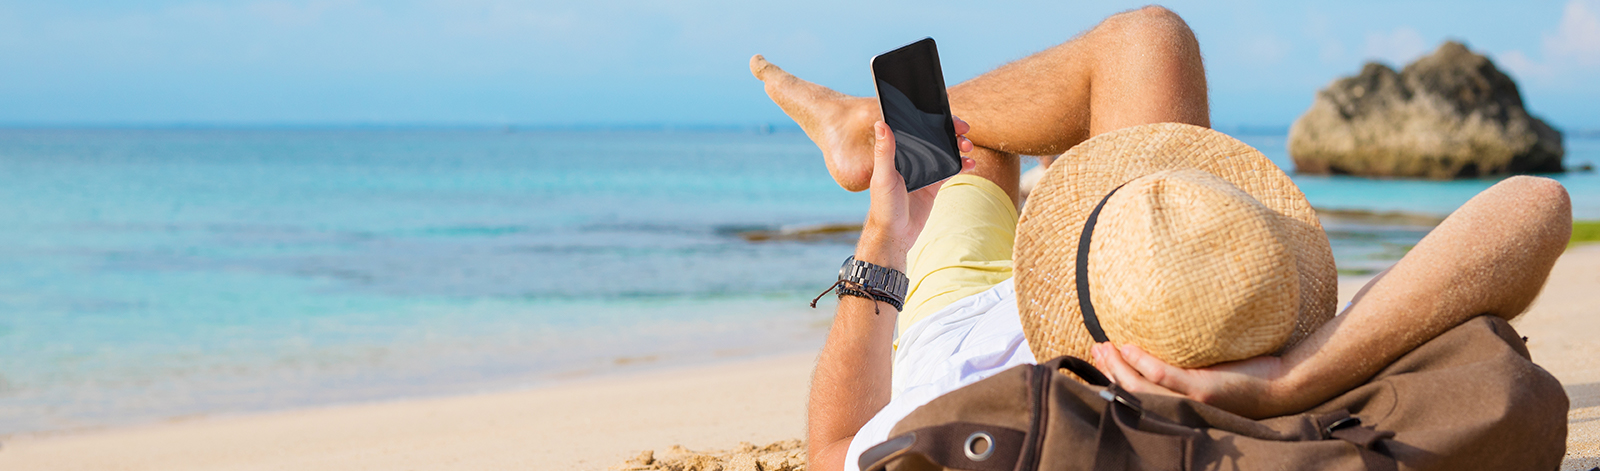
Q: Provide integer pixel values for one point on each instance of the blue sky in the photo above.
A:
(684, 61)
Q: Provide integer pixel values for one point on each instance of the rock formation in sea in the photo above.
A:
(1450, 114)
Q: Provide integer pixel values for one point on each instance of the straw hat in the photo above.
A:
(1202, 251)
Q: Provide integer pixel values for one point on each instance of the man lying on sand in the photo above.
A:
(956, 242)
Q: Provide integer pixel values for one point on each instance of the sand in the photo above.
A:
(738, 415)
(586, 424)
(1563, 330)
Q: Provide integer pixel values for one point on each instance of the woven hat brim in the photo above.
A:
(1048, 231)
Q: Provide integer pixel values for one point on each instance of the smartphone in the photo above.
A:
(912, 95)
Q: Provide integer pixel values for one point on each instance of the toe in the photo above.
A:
(758, 64)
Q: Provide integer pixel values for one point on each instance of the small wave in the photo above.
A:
(474, 231)
(648, 228)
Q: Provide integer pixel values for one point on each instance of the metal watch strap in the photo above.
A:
(881, 283)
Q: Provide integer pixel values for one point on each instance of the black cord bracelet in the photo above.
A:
(849, 288)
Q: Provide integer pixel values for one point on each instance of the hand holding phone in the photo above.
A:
(912, 95)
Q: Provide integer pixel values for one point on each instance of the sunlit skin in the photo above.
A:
(1140, 67)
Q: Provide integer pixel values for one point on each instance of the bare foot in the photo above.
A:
(840, 125)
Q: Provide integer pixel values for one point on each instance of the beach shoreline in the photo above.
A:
(589, 423)
(602, 421)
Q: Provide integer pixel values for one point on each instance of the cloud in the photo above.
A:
(1578, 36)
(1398, 47)
(1524, 66)
(1570, 52)
(1267, 48)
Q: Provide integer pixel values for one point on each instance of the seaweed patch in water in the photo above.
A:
(814, 233)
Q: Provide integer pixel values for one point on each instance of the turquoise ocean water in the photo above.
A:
(147, 274)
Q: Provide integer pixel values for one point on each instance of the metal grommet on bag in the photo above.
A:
(972, 452)
(1344, 423)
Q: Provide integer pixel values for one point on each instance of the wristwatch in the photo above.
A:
(876, 282)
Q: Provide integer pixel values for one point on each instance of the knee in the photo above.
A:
(1538, 194)
(1543, 202)
(1149, 13)
(1151, 26)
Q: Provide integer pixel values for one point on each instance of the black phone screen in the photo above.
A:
(912, 95)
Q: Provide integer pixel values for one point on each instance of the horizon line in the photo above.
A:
(757, 127)
(602, 126)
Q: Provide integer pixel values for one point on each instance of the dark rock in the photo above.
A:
(1450, 114)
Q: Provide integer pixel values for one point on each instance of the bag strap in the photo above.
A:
(1111, 447)
(1078, 367)
(1343, 426)
(1124, 413)
(957, 445)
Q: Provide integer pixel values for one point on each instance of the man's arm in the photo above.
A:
(852, 380)
(1490, 257)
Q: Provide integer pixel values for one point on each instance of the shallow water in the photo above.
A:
(155, 273)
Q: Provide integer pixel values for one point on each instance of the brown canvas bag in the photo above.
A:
(1469, 399)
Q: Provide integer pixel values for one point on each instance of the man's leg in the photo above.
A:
(1134, 68)
(1137, 67)
(1491, 256)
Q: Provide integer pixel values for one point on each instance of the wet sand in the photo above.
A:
(601, 423)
